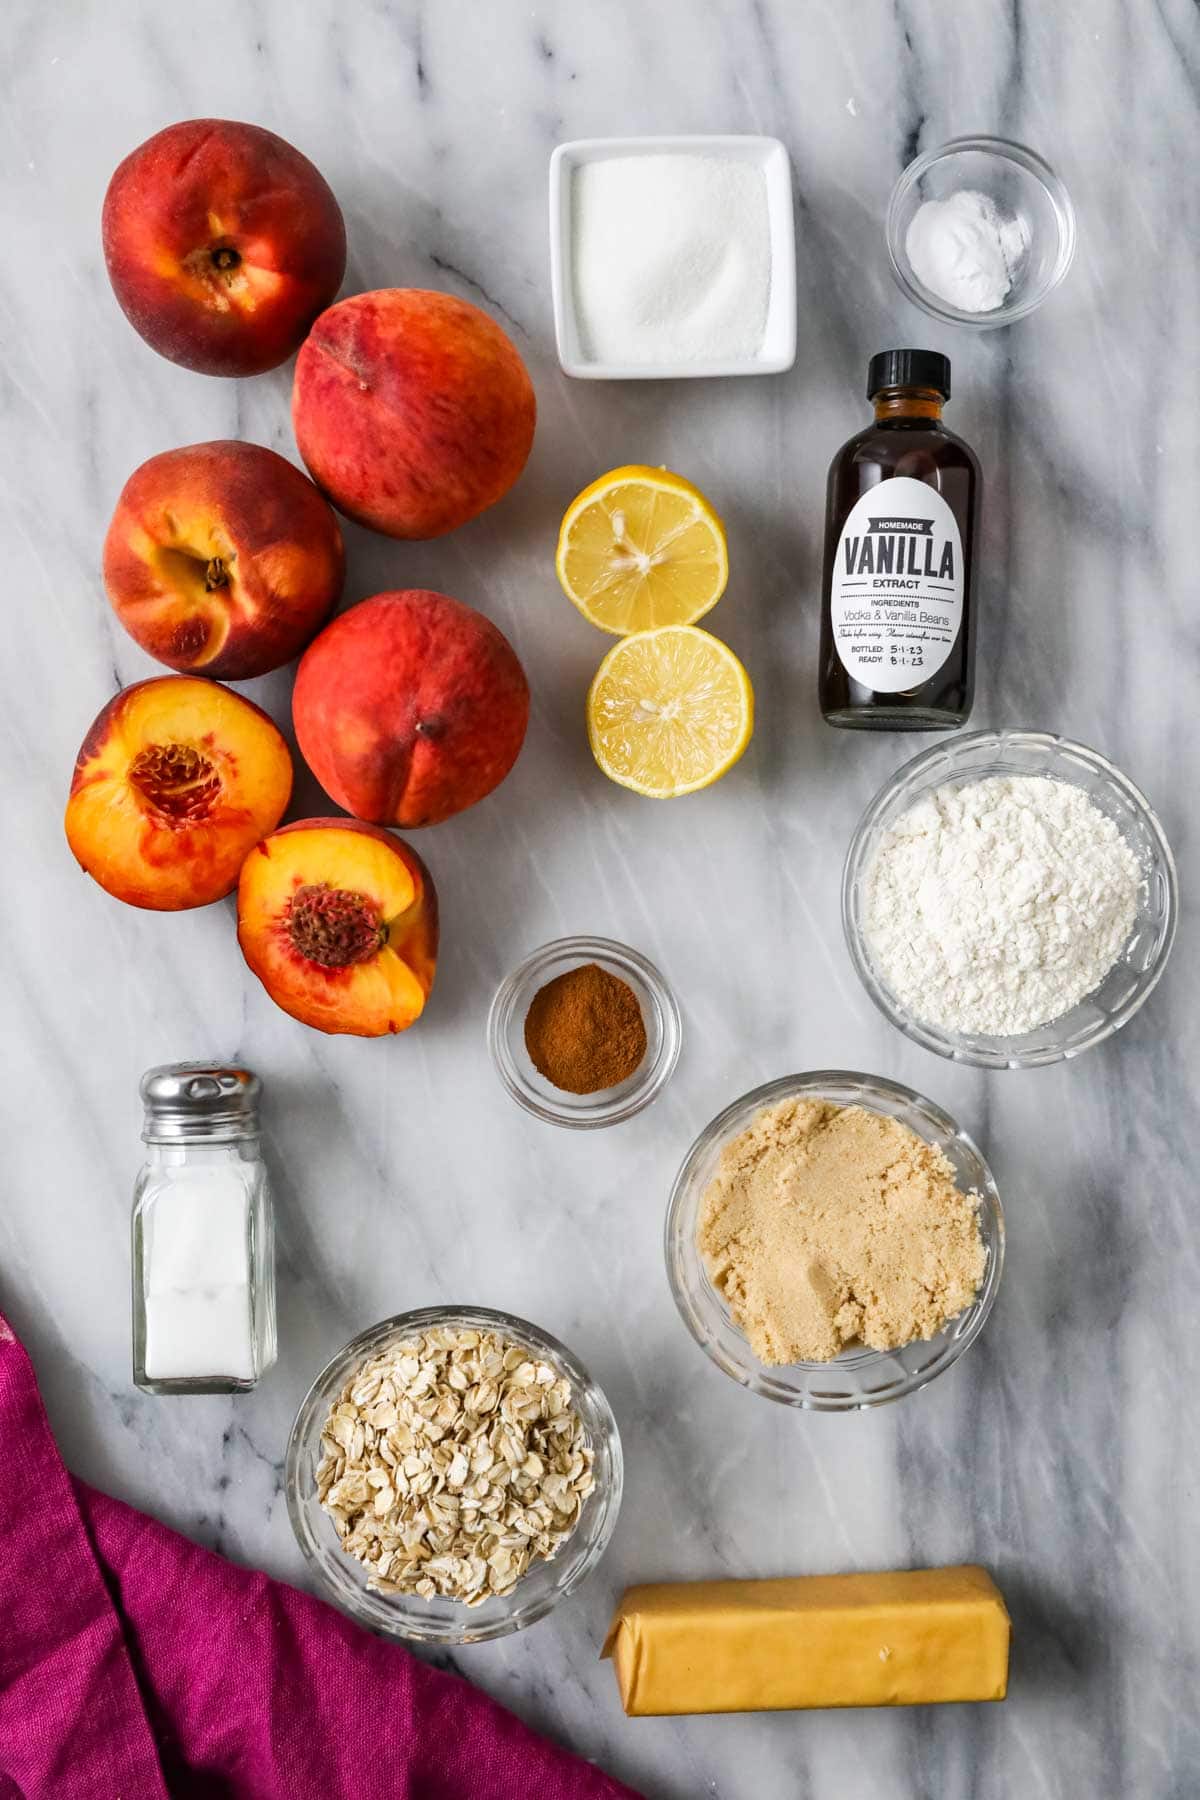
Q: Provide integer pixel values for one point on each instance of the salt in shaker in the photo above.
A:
(203, 1235)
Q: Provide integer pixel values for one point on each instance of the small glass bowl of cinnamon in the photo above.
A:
(569, 1003)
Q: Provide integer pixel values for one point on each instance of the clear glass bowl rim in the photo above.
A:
(904, 777)
(648, 1082)
(1033, 164)
(679, 1246)
(578, 1555)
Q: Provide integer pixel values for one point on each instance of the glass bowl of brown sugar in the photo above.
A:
(595, 1015)
(860, 1378)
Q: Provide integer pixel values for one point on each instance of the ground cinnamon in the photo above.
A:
(584, 1030)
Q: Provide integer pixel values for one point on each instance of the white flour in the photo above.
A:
(996, 907)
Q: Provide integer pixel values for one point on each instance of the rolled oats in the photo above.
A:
(451, 1462)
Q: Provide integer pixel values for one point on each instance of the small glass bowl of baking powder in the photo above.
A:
(1134, 975)
(531, 1089)
(440, 1620)
(859, 1379)
(1012, 198)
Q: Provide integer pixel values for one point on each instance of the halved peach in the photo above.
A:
(339, 922)
(176, 781)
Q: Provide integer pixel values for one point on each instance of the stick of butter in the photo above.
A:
(900, 1639)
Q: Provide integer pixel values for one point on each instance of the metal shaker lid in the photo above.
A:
(189, 1101)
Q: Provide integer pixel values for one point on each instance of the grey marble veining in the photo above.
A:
(1063, 1450)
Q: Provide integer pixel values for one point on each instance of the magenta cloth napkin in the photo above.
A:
(135, 1665)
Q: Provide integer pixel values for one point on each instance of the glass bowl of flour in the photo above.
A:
(980, 231)
(1009, 899)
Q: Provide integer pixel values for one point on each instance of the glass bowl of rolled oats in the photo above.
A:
(453, 1474)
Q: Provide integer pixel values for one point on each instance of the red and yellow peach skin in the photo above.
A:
(222, 559)
(412, 410)
(223, 243)
(410, 707)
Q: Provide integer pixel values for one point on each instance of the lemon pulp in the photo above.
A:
(641, 548)
(669, 711)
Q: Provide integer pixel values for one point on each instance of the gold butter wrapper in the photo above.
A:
(912, 1637)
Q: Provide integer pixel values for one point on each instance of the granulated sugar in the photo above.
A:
(671, 258)
(996, 907)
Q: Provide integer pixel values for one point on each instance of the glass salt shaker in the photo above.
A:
(203, 1235)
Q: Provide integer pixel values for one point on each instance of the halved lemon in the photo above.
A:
(641, 548)
(669, 711)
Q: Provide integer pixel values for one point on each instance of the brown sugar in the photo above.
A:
(584, 1030)
(826, 1226)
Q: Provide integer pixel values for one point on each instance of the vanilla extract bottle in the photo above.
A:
(901, 525)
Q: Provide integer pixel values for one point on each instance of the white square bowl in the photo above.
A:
(778, 348)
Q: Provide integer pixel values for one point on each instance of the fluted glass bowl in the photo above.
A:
(1131, 980)
(440, 1621)
(859, 1379)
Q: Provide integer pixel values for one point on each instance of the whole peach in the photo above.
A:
(223, 243)
(222, 559)
(413, 410)
(410, 707)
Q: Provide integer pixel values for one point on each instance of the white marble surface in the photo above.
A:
(1063, 1449)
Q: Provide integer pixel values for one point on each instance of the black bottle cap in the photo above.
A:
(909, 368)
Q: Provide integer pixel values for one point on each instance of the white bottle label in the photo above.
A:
(897, 595)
